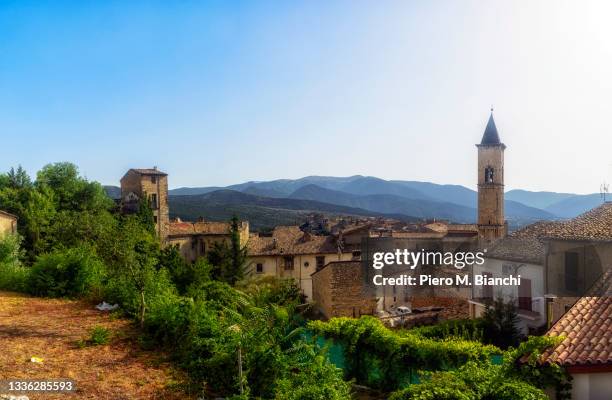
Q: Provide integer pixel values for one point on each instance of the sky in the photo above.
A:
(216, 93)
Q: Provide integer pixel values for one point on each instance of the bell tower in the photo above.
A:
(491, 220)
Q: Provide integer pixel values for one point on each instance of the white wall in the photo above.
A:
(596, 386)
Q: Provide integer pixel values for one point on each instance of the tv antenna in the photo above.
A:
(604, 190)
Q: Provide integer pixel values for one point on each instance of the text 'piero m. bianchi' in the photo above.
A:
(404, 260)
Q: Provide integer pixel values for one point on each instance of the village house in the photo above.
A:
(586, 350)
(194, 239)
(521, 253)
(8, 223)
(578, 252)
(339, 290)
(291, 253)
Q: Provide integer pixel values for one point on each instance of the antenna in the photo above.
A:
(604, 190)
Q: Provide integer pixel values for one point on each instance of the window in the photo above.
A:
(524, 292)
(202, 246)
(489, 174)
(154, 201)
(288, 262)
(320, 262)
(153, 179)
(155, 218)
(259, 268)
(571, 271)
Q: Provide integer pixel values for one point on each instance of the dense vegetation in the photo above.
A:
(237, 337)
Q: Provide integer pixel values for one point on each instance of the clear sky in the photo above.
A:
(216, 93)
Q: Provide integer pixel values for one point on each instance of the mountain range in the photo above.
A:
(269, 203)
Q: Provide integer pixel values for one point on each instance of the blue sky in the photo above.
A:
(216, 93)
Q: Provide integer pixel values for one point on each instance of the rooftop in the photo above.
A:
(149, 171)
(523, 245)
(587, 328)
(7, 215)
(490, 136)
(593, 225)
(198, 228)
(290, 240)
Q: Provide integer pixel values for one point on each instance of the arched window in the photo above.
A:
(489, 173)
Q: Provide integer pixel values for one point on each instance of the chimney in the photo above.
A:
(200, 219)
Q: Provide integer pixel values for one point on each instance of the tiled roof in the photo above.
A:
(199, 228)
(291, 240)
(339, 264)
(9, 215)
(149, 171)
(523, 245)
(595, 225)
(587, 328)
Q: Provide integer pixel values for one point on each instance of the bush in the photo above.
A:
(68, 273)
(99, 336)
(13, 276)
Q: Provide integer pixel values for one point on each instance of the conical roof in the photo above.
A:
(490, 134)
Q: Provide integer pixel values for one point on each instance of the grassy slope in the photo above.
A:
(51, 328)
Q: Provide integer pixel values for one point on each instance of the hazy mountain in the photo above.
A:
(537, 199)
(187, 191)
(114, 192)
(388, 204)
(575, 205)
(423, 208)
(258, 210)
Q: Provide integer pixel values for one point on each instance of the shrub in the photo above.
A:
(99, 335)
(68, 273)
(13, 276)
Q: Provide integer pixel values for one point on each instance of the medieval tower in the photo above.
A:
(491, 221)
(153, 184)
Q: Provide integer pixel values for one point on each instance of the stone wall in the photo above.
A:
(8, 224)
(339, 291)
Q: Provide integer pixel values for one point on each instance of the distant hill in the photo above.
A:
(114, 192)
(575, 205)
(537, 199)
(261, 212)
(366, 194)
(388, 204)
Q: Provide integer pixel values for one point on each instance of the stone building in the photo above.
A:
(491, 220)
(149, 183)
(194, 239)
(8, 223)
(290, 253)
(339, 290)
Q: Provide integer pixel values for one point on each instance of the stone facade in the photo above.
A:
(196, 239)
(8, 223)
(290, 253)
(153, 184)
(339, 290)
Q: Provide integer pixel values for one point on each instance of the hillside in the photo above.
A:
(261, 212)
(51, 328)
(388, 203)
(541, 200)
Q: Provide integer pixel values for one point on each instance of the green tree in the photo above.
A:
(229, 259)
(500, 324)
(145, 214)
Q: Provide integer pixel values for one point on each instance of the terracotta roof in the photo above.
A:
(149, 171)
(291, 240)
(9, 215)
(523, 245)
(198, 228)
(595, 225)
(587, 328)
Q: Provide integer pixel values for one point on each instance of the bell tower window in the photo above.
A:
(489, 174)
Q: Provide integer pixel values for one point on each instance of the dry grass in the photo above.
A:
(51, 329)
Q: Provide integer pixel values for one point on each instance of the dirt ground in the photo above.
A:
(51, 329)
